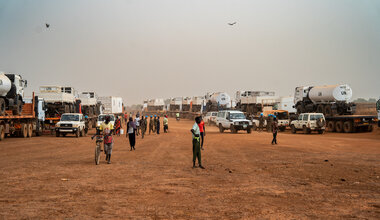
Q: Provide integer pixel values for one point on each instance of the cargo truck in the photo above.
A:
(175, 104)
(197, 103)
(112, 105)
(90, 107)
(333, 102)
(29, 122)
(254, 102)
(11, 93)
(217, 101)
(155, 105)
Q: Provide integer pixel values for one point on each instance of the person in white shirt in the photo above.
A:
(137, 123)
(196, 143)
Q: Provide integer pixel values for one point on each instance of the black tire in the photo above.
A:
(233, 130)
(2, 106)
(57, 134)
(331, 126)
(97, 155)
(293, 128)
(221, 129)
(320, 109)
(30, 130)
(254, 127)
(347, 127)
(306, 130)
(24, 130)
(327, 110)
(81, 132)
(249, 131)
(321, 122)
(370, 128)
(282, 128)
(77, 133)
(339, 126)
(299, 109)
(2, 132)
(18, 109)
(321, 131)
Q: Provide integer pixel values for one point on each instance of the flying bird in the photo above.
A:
(47, 25)
(232, 23)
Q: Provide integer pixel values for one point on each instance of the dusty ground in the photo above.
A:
(305, 176)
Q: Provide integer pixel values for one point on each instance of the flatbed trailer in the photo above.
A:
(350, 123)
(23, 125)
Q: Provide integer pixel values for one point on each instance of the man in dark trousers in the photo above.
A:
(274, 130)
(158, 125)
(151, 124)
(202, 130)
(142, 126)
(196, 143)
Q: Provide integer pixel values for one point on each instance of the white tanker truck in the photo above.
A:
(217, 101)
(11, 93)
(333, 102)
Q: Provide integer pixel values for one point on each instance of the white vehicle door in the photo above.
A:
(305, 120)
(226, 120)
(298, 123)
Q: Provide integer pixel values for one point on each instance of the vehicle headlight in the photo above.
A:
(75, 126)
(57, 125)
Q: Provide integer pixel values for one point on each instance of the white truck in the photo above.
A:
(11, 93)
(186, 103)
(175, 104)
(112, 105)
(71, 123)
(90, 107)
(233, 120)
(58, 100)
(217, 101)
(197, 103)
(253, 102)
(308, 122)
(155, 105)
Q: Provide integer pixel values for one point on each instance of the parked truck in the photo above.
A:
(197, 103)
(58, 100)
(11, 93)
(333, 102)
(155, 105)
(186, 102)
(90, 107)
(112, 105)
(175, 104)
(217, 101)
(254, 102)
(28, 123)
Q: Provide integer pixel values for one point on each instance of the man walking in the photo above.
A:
(106, 127)
(151, 124)
(202, 130)
(137, 122)
(274, 130)
(166, 122)
(158, 125)
(154, 123)
(196, 143)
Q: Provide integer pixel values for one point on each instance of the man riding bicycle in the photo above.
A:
(106, 128)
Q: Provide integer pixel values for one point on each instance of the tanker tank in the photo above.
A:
(330, 93)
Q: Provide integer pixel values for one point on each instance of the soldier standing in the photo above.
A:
(154, 123)
(196, 143)
(151, 124)
(142, 126)
(261, 122)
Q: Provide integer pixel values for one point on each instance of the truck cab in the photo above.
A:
(233, 120)
(308, 122)
(11, 93)
(71, 123)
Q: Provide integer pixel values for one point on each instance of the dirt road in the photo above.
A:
(305, 176)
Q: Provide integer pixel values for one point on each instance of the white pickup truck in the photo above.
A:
(308, 122)
(71, 123)
(233, 120)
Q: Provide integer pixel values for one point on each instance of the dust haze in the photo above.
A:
(148, 49)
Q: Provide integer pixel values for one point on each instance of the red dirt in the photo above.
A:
(325, 176)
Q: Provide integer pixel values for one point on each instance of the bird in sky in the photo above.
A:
(47, 25)
(232, 23)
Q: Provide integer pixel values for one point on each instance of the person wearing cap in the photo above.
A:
(154, 123)
(270, 122)
(166, 123)
(86, 124)
(274, 129)
(196, 143)
(151, 124)
(146, 123)
(142, 126)
(261, 122)
(158, 125)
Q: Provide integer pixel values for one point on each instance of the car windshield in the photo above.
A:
(214, 114)
(282, 115)
(103, 117)
(315, 117)
(70, 118)
(237, 116)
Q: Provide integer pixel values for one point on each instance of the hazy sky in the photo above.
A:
(146, 49)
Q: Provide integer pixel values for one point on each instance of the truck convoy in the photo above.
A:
(11, 93)
(333, 102)
(217, 101)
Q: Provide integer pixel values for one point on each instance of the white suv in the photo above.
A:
(210, 117)
(233, 120)
(71, 123)
(308, 122)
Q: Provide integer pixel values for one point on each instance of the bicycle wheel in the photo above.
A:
(97, 154)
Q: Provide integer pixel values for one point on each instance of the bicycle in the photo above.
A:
(99, 142)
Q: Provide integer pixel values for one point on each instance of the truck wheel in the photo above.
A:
(18, 109)
(30, 130)
(2, 132)
(306, 130)
(294, 130)
(339, 126)
(327, 110)
(254, 127)
(82, 133)
(347, 126)
(221, 129)
(249, 131)
(331, 126)
(282, 128)
(370, 128)
(77, 134)
(24, 130)
(57, 133)
(320, 108)
(2, 106)
(320, 131)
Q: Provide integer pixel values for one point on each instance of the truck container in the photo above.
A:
(28, 123)
(197, 103)
(186, 102)
(112, 105)
(175, 104)
(254, 102)
(155, 105)
(217, 101)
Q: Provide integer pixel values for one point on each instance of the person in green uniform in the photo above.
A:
(151, 124)
(154, 123)
(196, 143)
(142, 126)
